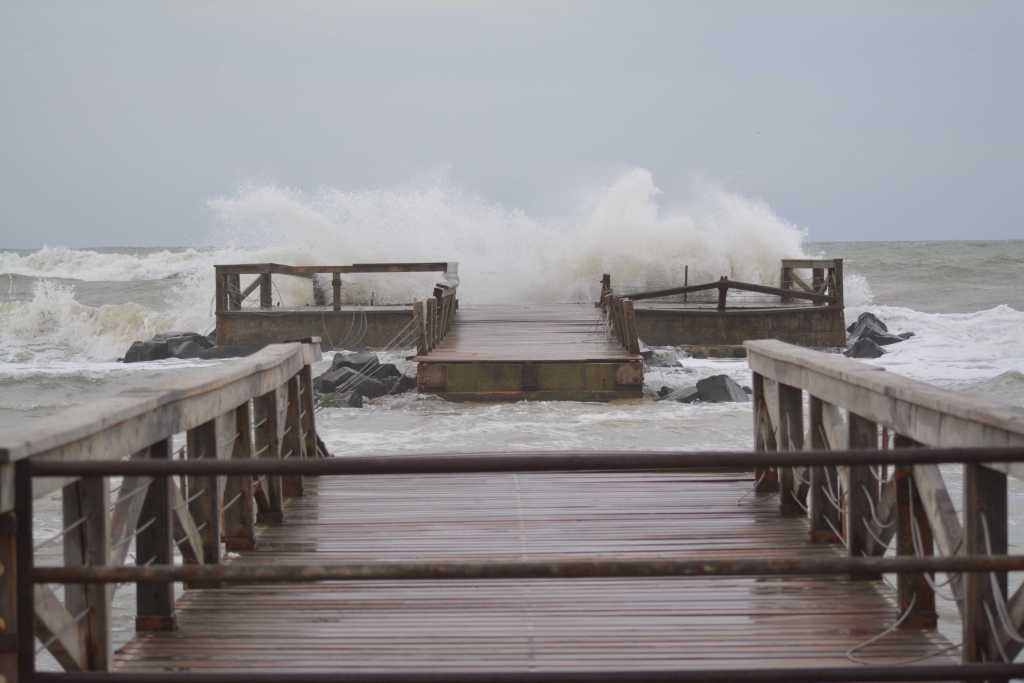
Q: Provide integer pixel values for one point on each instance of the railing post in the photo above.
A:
(292, 445)
(21, 576)
(985, 533)
(154, 602)
(824, 479)
(723, 292)
(266, 291)
(419, 318)
(912, 530)
(267, 430)
(786, 282)
(862, 485)
(837, 274)
(234, 284)
(308, 415)
(631, 333)
(431, 323)
(220, 291)
(336, 289)
(791, 438)
(202, 493)
(238, 515)
(89, 544)
(9, 642)
(606, 288)
(765, 478)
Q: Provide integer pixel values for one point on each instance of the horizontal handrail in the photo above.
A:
(529, 461)
(591, 568)
(834, 674)
(307, 271)
(727, 284)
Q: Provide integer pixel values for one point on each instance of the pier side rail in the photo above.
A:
(433, 318)
(825, 287)
(854, 405)
(257, 408)
(230, 294)
(620, 316)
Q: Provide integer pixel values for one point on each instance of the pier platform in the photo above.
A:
(534, 624)
(536, 352)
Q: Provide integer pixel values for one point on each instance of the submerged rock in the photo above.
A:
(144, 351)
(864, 348)
(362, 361)
(664, 358)
(868, 326)
(350, 379)
(721, 389)
(344, 399)
(401, 384)
(685, 395)
(174, 345)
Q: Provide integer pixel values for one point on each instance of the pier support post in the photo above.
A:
(824, 479)
(9, 636)
(911, 521)
(89, 544)
(203, 495)
(336, 291)
(292, 445)
(765, 478)
(791, 438)
(154, 602)
(985, 510)
(266, 291)
(267, 429)
(238, 516)
(862, 492)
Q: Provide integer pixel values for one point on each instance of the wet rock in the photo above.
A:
(868, 326)
(864, 348)
(333, 379)
(401, 384)
(721, 389)
(361, 361)
(385, 371)
(144, 351)
(684, 395)
(343, 399)
(747, 390)
(230, 351)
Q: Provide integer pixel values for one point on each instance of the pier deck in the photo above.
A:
(554, 351)
(539, 624)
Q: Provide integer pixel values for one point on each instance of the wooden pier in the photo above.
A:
(540, 352)
(536, 567)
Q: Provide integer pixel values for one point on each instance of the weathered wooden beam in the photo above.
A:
(89, 544)
(249, 289)
(913, 535)
(799, 281)
(292, 444)
(985, 533)
(862, 491)
(765, 478)
(266, 291)
(238, 516)
(9, 588)
(187, 536)
(309, 271)
(822, 511)
(267, 445)
(791, 438)
(59, 631)
(336, 291)
(942, 519)
(154, 603)
(204, 491)
(307, 416)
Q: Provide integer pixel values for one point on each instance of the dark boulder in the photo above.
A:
(361, 361)
(143, 351)
(385, 371)
(868, 326)
(721, 389)
(684, 395)
(401, 384)
(349, 379)
(232, 351)
(186, 349)
(178, 338)
(864, 348)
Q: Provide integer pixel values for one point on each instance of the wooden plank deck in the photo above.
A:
(566, 346)
(501, 625)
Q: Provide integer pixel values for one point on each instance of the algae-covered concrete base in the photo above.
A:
(351, 327)
(675, 325)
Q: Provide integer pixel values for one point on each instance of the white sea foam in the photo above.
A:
(505, 255)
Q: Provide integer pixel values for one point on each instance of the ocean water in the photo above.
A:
(67, 315)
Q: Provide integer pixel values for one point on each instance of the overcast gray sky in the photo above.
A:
(860, 120)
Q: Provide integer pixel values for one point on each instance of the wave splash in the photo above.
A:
(505, 255)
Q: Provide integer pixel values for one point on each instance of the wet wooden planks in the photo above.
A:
(531, 625)
(553, 332)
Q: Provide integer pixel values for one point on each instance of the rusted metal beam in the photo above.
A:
(532, 461)
(929, 672)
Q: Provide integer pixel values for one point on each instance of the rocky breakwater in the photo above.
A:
(867, 336)
(183, 345)
(355, 376)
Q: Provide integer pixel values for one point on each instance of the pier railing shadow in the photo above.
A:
(856, 450)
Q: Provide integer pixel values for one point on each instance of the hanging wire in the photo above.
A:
(131, 494)
(75, 620)
(997, 594)
(874, 512)
(62, 533)
(753, 490)
(135, 533)
(915, 538)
